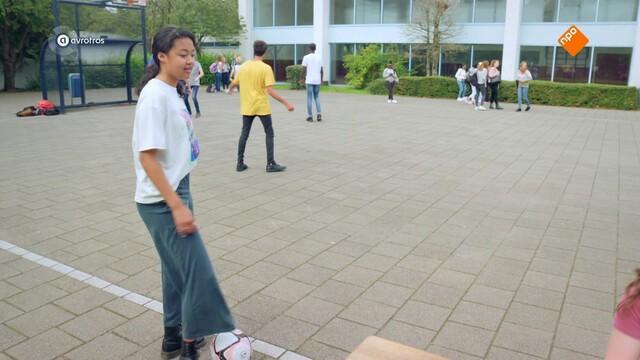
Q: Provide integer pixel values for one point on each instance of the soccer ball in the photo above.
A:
(233, 345)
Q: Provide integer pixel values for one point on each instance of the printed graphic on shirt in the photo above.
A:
(193, 140)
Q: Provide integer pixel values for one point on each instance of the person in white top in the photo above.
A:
(390, 75)
(165, 150)
(461, 78)
(312, 64)
(523, 77)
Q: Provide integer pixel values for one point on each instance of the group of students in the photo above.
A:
(487, 76)
(165, 151)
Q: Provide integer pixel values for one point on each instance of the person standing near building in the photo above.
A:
(391, 77)
(226, 70)
(461, 78)
(219, 68)
(472, 80)
(256, 80)
(313, 71)
(481, 93)
(523, 77)
(494, 83)
(194, 86)
(236, 67)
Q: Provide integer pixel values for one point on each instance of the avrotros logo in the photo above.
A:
(573, 40)
(63, 40)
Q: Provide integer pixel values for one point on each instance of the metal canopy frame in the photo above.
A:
(59, 72)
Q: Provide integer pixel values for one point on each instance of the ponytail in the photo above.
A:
(632, 293)
(150, 72)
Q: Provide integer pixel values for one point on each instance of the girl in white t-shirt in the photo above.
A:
(165, 150)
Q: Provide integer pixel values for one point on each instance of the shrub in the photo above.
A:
(294, 77)
(368, 64)
(541, 92)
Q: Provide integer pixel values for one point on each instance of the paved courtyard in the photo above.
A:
(473, 235)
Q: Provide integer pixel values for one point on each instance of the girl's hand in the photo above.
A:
(185, 223)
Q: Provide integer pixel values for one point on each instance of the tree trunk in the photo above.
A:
(9, 76)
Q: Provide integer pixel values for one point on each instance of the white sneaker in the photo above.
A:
(482, 108)
(388, 101)
(475, 108)
(394, 101)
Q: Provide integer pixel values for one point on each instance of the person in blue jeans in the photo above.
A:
(461, 78)
(523, 77)
(312, 64)
(218, 74)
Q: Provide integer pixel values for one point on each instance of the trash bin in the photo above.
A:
(76, 87)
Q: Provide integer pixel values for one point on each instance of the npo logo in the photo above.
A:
(573, 40)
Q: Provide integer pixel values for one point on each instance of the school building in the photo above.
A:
(510, 30)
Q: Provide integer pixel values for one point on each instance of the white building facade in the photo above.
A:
(508, 30)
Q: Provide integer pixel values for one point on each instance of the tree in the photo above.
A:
(205, 18)
(368, 64)
(24, 25)
(433, 27)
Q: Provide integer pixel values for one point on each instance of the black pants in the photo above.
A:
(390, 86)
(247, 121)
(495, 87)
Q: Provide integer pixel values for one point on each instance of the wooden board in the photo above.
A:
(375, 348)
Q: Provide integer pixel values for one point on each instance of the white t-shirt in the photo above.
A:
(162, 122)
(314, 66)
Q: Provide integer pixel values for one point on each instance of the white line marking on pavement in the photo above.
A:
(154, 305)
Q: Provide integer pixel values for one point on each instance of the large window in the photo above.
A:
(453, 58)
(263, 12)
(305, 12)
(539, 59)
(279, 57)
(486, 53)
(572, 69)
(342, 11)
(490, 11)
(396, 11)
(338, 52)
(611, 66)
(617, 10)
(283, 12)
(540, 10)
(462, 12)
(577, 10)
(368, 11)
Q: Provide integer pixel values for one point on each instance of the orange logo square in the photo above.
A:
(573, 40)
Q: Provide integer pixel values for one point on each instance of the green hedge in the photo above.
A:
(541, 92)
(294, 77)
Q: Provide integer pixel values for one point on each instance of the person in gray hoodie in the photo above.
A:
(481, 93)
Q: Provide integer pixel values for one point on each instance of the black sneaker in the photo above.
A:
(275, 168)
(499, 107)
(518, 110)
(172, 342)
(310, 119)
(241, 167)
(528, 108)
(491, 106)
(319, 118)
(189, 351)
(198, 115)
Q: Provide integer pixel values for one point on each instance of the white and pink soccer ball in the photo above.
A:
(234, 345)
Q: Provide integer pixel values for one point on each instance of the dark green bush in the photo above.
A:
(294, 77)
(368, 65)
(541, 92)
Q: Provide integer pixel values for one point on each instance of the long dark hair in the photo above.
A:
(162, 43)
(632, 293)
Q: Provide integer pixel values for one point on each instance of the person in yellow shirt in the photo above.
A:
(255, 78)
